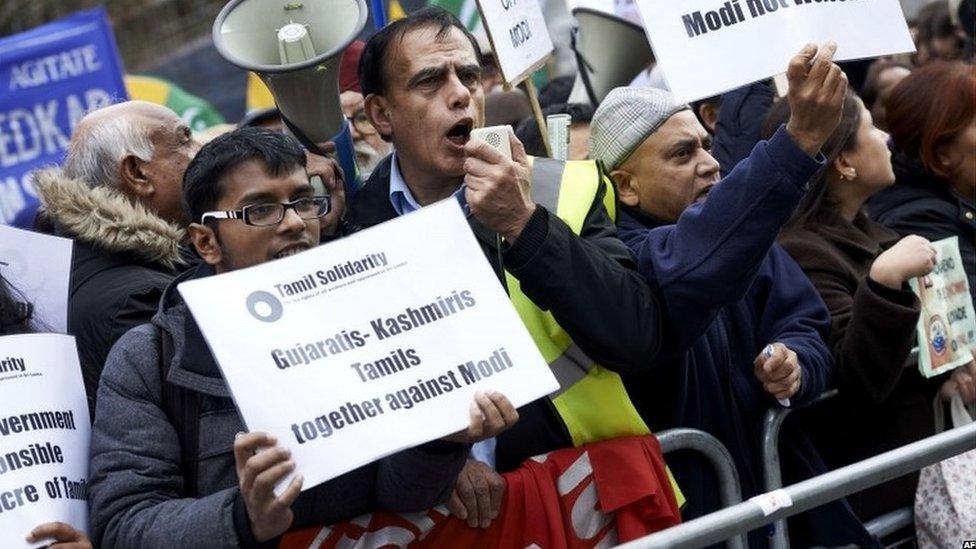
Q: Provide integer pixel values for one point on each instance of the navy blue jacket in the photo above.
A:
(740, 122)
(728, 292)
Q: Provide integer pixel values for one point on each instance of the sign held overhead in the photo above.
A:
(707, 47)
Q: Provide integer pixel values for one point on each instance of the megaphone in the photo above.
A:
(610, 52)
(295, 47)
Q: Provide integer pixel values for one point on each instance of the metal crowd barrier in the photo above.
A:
(730, 490)
(773, 478)
(772, 471)
(744, 517)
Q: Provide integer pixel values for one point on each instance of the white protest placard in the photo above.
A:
(44, 436)
(518, 35)
(39, 268)
(707, 47)
(947, 325)
(605, 6)
(375, 343)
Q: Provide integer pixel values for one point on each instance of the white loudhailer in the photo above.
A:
(296, 49)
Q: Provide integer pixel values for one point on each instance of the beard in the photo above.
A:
(367, 158)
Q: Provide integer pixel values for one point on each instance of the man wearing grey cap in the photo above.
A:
(746, 326)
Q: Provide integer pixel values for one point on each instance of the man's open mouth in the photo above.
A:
(703, 194)
(460, 132)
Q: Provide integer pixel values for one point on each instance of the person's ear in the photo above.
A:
(946, 160)
(205, 241)
(378, 111)
(627, 187)
(845, 167)
(709, 116)
(134, 177)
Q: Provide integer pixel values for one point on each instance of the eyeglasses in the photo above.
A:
(264, 215)
(361, 122)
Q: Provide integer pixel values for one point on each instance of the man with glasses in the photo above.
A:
(370, 147)
(171, 466)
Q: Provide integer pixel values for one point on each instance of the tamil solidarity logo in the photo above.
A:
(264, 306)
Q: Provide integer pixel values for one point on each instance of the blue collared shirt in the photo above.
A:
(402, 199)
(403, 202)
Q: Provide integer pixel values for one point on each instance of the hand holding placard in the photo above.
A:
(962, 382)
(708, 47)
(63, 536)
(816, 96)
(911, 257)
(947, 323)
(402, 324)
(44, 436)
(491, 415)
(257, 475)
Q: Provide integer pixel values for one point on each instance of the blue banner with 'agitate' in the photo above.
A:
(50, 76)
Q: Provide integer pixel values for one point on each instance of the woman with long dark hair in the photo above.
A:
(16, 314)
(861, 270)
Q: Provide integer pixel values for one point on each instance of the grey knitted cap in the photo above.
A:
(625, 118)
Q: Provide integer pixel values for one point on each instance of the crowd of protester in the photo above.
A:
(730, 256)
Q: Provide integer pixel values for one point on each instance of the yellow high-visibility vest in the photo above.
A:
(591, 400)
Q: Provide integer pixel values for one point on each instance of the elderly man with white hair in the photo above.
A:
(118, 195)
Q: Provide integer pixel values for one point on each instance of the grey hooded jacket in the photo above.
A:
(136, 484)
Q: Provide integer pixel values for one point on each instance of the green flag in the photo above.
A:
(465, 10)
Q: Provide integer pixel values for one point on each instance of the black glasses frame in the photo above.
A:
(323, 203)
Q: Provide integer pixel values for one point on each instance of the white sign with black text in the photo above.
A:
(38, 266)
(947, 324)
(44, 436)
(707, 47)
(518, 33)
(368, 345)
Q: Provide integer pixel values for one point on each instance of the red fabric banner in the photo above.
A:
(597, 495)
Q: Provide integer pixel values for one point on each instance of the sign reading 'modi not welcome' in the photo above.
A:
(707, 47)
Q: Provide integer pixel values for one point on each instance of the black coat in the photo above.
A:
(884, 402)
(124, 257)
(587, 282)
(109, 295)
(922, 203)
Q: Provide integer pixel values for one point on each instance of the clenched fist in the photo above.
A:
(498, 189)
(911, 257)
(779, 371)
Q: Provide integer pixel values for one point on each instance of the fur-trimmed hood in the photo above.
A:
(105, 218)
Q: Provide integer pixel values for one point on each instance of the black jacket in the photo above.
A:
(922, 203)
(587, 282)
(123, 259)
(884, 402)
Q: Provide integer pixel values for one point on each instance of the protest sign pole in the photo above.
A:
(526, 48)
(533, 94)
